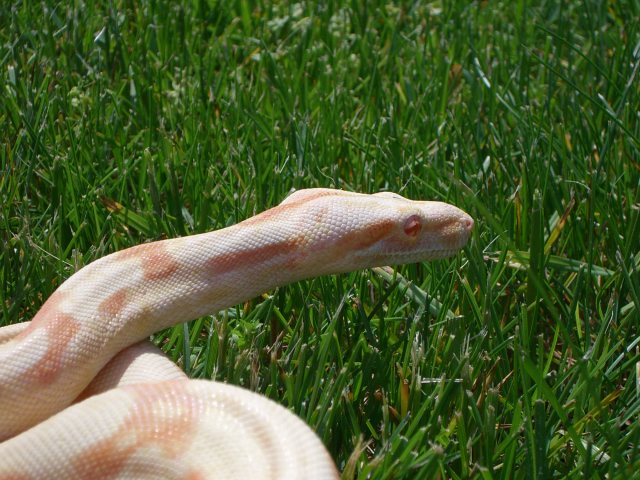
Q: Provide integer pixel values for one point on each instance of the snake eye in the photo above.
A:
(412, 226)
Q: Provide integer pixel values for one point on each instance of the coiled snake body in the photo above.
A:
(140, 415)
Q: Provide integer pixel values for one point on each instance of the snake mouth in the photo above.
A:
(402, 257)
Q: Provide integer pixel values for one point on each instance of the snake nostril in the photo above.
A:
(467, 222)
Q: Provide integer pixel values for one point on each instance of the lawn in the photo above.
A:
(125, 122)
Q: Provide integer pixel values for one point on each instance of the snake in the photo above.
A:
(84, 394)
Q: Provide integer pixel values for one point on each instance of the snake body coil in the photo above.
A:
(140, 415)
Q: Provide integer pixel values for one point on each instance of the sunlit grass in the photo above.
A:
(516, 359)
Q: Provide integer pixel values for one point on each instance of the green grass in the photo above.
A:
(519, 358)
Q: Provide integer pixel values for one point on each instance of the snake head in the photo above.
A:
(363, 231)
(418, 230)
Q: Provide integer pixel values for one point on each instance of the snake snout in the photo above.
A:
(467, 225)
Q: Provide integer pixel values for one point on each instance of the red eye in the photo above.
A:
(412, 226)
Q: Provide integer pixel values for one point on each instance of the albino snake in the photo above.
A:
(143, 418)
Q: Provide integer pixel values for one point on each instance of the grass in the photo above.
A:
(125, 122)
